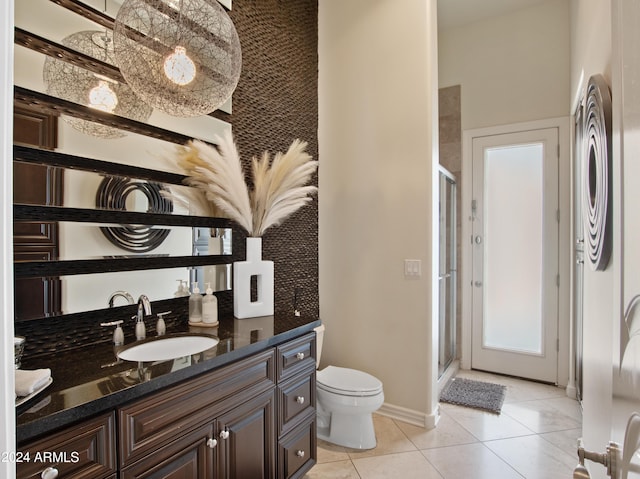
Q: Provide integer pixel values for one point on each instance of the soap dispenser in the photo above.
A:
(182, 289)
(210, 307)
(195, 305)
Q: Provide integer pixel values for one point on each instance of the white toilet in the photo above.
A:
(346, 400)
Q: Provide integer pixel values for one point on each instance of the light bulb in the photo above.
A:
(179, 68)
(103, 98)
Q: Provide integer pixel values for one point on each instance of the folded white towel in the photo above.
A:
(28, 381)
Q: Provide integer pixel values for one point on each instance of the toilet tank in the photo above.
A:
(319, 337)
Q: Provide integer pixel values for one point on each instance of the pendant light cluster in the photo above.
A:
(182, 57)
(73, 83)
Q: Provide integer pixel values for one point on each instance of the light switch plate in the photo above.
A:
(412, 268)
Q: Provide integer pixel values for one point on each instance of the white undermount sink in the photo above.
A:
(165, 348)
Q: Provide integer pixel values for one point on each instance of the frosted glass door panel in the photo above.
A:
(513, 214)
(514, 218)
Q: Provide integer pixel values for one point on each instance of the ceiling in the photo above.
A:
(455, 13)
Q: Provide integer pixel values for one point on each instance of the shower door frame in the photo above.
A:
(450, 275)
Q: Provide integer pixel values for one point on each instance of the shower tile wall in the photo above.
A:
(450, 133)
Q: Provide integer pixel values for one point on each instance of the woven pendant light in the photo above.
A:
(181, 56)
(73, 83)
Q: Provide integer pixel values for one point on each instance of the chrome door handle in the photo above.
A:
(478, 239)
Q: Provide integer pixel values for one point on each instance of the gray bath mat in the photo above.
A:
(476, 394)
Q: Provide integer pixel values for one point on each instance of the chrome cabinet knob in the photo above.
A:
(211, 443)
(224, 434)
(300, 399)
(300, 355)
(49, 473)
(300, 453)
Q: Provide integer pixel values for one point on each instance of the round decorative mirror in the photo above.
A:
(597, 173)
(125, 194)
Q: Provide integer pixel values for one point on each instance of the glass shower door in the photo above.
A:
(447, 272)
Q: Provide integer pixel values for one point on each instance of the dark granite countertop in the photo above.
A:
(91, 380)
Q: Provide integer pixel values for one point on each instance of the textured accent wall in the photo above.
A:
(276, 102)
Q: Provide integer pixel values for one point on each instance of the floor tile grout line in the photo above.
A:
(405, 434)
(555, 444)
(484, 446)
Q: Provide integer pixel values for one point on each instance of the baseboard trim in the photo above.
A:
(572, 392)
(416, 418)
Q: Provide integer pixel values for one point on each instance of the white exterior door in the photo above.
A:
(515, 254)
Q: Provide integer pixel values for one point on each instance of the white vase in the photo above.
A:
(243, 271)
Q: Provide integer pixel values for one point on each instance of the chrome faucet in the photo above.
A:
(122, 294)
(144, 306)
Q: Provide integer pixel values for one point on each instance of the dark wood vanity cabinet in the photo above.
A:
(254, 418)
(218, 425)
(251, 419)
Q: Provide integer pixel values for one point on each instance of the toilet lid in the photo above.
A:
(348, 382)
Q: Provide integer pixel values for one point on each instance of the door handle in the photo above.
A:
(478, 239)
(477, 284)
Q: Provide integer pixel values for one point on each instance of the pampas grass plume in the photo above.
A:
(280, 186)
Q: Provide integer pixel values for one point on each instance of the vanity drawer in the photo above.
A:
(297, 450)
(156, 420)
(296, 396)
(86, 450)
(296, 356)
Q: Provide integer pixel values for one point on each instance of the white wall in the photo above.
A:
(377, 139)
(512, 68)
(7, 403)
(591, 54)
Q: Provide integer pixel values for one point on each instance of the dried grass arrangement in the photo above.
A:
(280, 187)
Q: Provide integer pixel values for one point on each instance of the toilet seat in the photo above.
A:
(348, 382)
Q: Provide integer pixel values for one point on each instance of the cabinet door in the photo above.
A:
(83, 451)
(297, 450)
(246, 440)
(191, 456)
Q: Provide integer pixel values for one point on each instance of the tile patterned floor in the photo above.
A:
(534, 437)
